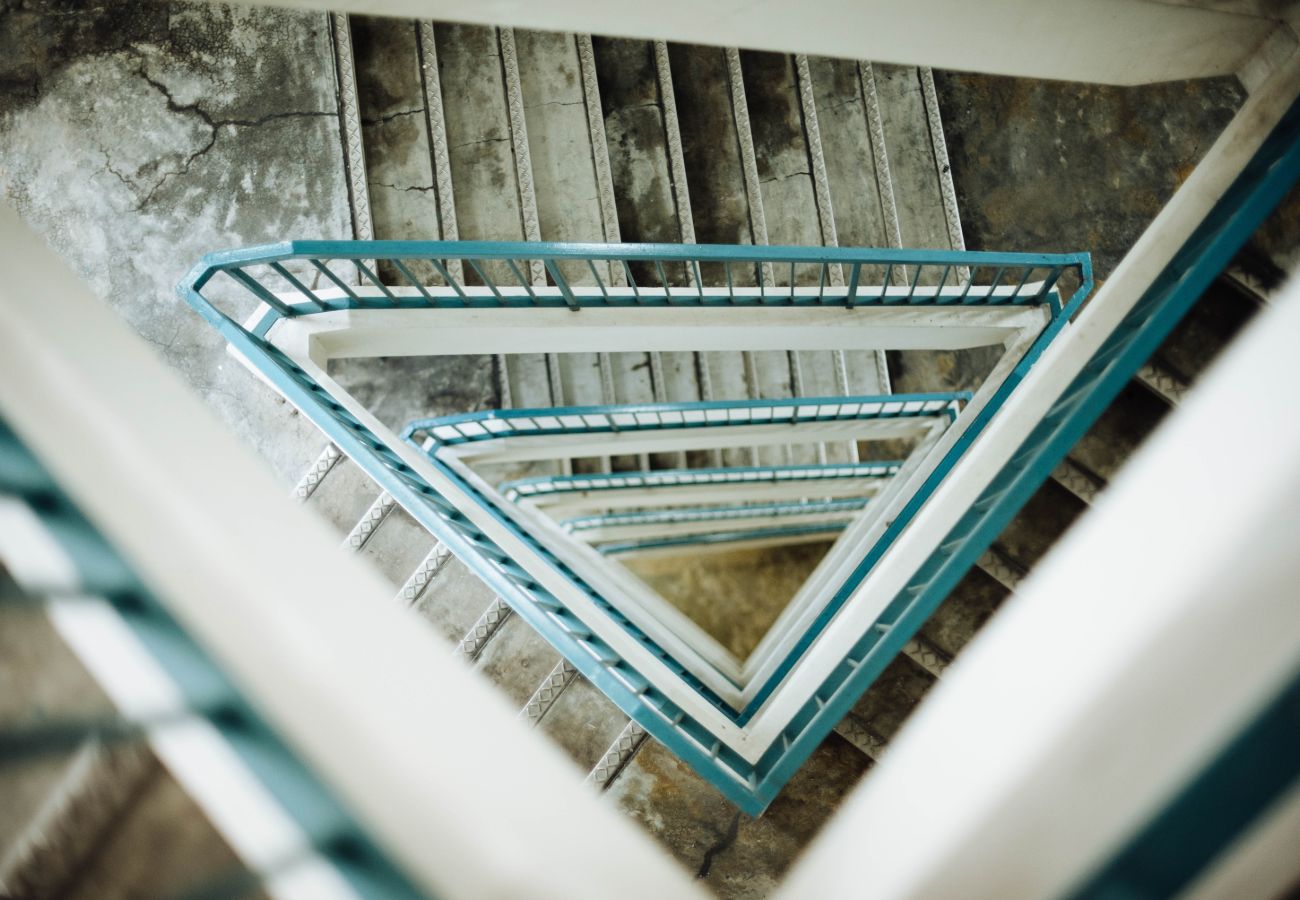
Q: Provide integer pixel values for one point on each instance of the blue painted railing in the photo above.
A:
(823, 277)
(494, 424)
(489, 274)
(330, 830)
(553, 485)
(675, 516)
(826, 530)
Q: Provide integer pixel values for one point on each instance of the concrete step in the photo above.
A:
(574, 193)
(716, 186)
(492, 202)
(395, 134)
(781, 122)
(651, 198)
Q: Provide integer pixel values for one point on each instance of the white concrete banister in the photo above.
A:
(426, 755)
(1114, 674)
(1103, 41)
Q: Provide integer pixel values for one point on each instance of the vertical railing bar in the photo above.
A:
(762, 293)
(997, 277)
(373, 278)
(324, 270)
(523, 280)
(561, 283)
(731, 288)
(491, 285)
(1050, 283)
(663, 279)
(821, 284)
(1029, 270)
(627, 270)
(699, 279)
(299, 286)
(970, 281)
(260, 291)
(792, 281)
(446, 276)
(916, 276)
(406, 273)
(599, 281)
(943, 280)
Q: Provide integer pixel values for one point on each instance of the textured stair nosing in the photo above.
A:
(97, 787)
(676, 155)
(369, 523)
(926, 655)
(1000, 569)
(1163, 383)
(856, 732)
(354, 159)
(483, 630)
(323, 465)
(880, 153)
(436, 121)
(550, 689)
(943, 168)
(1076, 481)
(423, 575)
(616, 758)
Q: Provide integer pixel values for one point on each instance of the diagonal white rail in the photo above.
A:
(256, 580)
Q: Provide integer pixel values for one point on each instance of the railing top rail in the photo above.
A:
(541, 250)
(735, 510)
(954, 278)
(720, 537)
(719, 475)
(646, 416)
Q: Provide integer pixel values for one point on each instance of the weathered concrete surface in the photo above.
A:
(1204, 331)
(734, 595)
(399, 389)
(184, 853)
(644, 197)
(517, 660)
(395, 136)
(735, 855)
(136, 137)
(42, 682)
(583, 722)
(483, 168)
(1048, 165)
(964, 611)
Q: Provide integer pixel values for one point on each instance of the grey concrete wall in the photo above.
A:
(136, 136)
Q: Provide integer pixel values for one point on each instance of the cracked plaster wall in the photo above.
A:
(135, 137)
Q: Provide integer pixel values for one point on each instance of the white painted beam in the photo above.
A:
(1106, 41)
(427, 332)
(1175, 594)
(257, 581)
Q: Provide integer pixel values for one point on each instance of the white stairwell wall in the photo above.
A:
(1104, 41)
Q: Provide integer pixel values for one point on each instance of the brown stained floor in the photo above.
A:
(734, 595)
